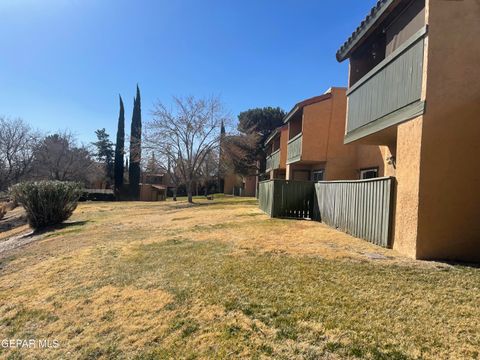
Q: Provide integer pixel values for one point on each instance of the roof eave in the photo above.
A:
(291, 113)
(364, 29)
(271, 136)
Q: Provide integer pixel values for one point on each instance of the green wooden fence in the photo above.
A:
(287, 198)
(265, 196)
(362, 208)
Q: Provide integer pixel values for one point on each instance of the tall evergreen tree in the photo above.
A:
(119, 149)
(105, 153)
(221, 165)
(135, 147)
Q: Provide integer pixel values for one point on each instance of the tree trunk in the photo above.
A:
(190, 192)
(175, 194)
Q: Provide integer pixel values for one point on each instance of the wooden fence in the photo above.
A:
(287, 198)
(362, 208)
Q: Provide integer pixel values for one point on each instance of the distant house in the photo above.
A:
(240, 185)
(231, 180)
(154, 187)
(414, 87)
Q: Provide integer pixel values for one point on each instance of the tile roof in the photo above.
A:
(375, 14)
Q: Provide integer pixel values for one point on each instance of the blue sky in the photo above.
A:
(64, 62)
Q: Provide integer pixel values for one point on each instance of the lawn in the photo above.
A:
(219, 279)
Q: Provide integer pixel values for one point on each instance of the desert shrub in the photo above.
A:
(47, 202)
(3, 210)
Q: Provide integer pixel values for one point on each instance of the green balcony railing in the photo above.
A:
(294, 148)
(389, 93)
(273, 161)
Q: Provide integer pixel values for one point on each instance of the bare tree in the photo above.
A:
(17, 141)
(57, 157)
(186, 135)
(239, 154)
(208, 172)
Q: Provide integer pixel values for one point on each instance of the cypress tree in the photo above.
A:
(220, 173)
(119, 149)
(135, 147)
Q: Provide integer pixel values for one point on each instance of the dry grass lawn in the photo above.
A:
(221, 280)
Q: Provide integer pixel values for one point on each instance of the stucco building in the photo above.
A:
(240, 185)
(310, 145)
(414, 87)
(276, 153)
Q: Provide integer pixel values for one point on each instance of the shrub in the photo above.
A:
(3, 210)
(47, 203)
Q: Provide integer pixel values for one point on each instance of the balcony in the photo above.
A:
(390, 93)
(273, 161)
(294, 149)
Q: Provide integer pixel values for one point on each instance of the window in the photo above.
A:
(368, 173)
(317, 175)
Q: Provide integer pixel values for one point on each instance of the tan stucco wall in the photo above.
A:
(409, 140)
(315, 129)
(341, 158)
(372, 156)
(449, 189)
(250, 186)
(323, 143)
(231, 180)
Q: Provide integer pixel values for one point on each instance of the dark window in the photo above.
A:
(368, 173)
(318, 175)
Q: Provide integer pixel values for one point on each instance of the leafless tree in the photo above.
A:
(186, 135)
(17, 141)
(238, 154)
(57, 157)
(208, 172)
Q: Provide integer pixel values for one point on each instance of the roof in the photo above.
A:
(378, 12)
(159, 187)
(299, 106)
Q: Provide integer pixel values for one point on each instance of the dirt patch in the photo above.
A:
(13, 220)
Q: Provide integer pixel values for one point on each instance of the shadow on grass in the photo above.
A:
(460, 264)
(218, 203)
(64, 225)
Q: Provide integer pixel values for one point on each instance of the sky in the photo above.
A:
(63, 63)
